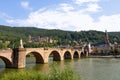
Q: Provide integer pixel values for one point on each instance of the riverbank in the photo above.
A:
(110, 56)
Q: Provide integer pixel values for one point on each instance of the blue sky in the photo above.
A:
(73, 15)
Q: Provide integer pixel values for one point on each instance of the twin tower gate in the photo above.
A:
(16, 58)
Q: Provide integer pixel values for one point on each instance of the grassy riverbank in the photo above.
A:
(53, 74)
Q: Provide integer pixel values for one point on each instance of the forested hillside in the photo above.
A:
(8, 33)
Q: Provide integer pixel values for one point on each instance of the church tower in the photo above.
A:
(107, 46)
(107, 37)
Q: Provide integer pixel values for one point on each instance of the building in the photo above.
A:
(40, 39)
(103, 46)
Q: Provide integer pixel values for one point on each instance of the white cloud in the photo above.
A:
(4, 15)
(66, 7)
(60, 18)
(25, 5)
(10, 21)
(93, 7)
(67, 17)
(84, 1)
(109, 22)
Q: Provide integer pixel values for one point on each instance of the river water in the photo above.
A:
(86, 68)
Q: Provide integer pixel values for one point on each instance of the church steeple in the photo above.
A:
(106, 37)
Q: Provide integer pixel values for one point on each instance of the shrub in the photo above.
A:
(54, 74)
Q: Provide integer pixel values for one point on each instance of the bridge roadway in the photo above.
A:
(16, 58)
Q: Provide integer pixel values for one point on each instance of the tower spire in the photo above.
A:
(106, 37)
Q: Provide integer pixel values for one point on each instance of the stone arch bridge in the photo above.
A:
(16, 58)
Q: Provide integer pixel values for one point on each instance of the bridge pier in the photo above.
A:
(45, 59)
(62, 58)
(72, 56)
(19, 60)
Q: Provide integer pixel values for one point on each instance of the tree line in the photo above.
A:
(14, 34)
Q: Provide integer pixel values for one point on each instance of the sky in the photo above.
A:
(70, 15)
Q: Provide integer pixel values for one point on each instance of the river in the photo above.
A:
(86, 68)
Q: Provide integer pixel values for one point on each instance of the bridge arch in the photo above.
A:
(56, 55)
(67, 55)
(82, 54)
(39, 58)
(76, 54)
(8, 63)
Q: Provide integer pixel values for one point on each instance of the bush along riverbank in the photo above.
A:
(54, 74)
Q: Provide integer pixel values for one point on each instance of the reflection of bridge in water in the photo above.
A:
(16, 58)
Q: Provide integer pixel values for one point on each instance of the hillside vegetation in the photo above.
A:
(8, 33)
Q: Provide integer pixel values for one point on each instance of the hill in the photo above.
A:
(8, 33)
